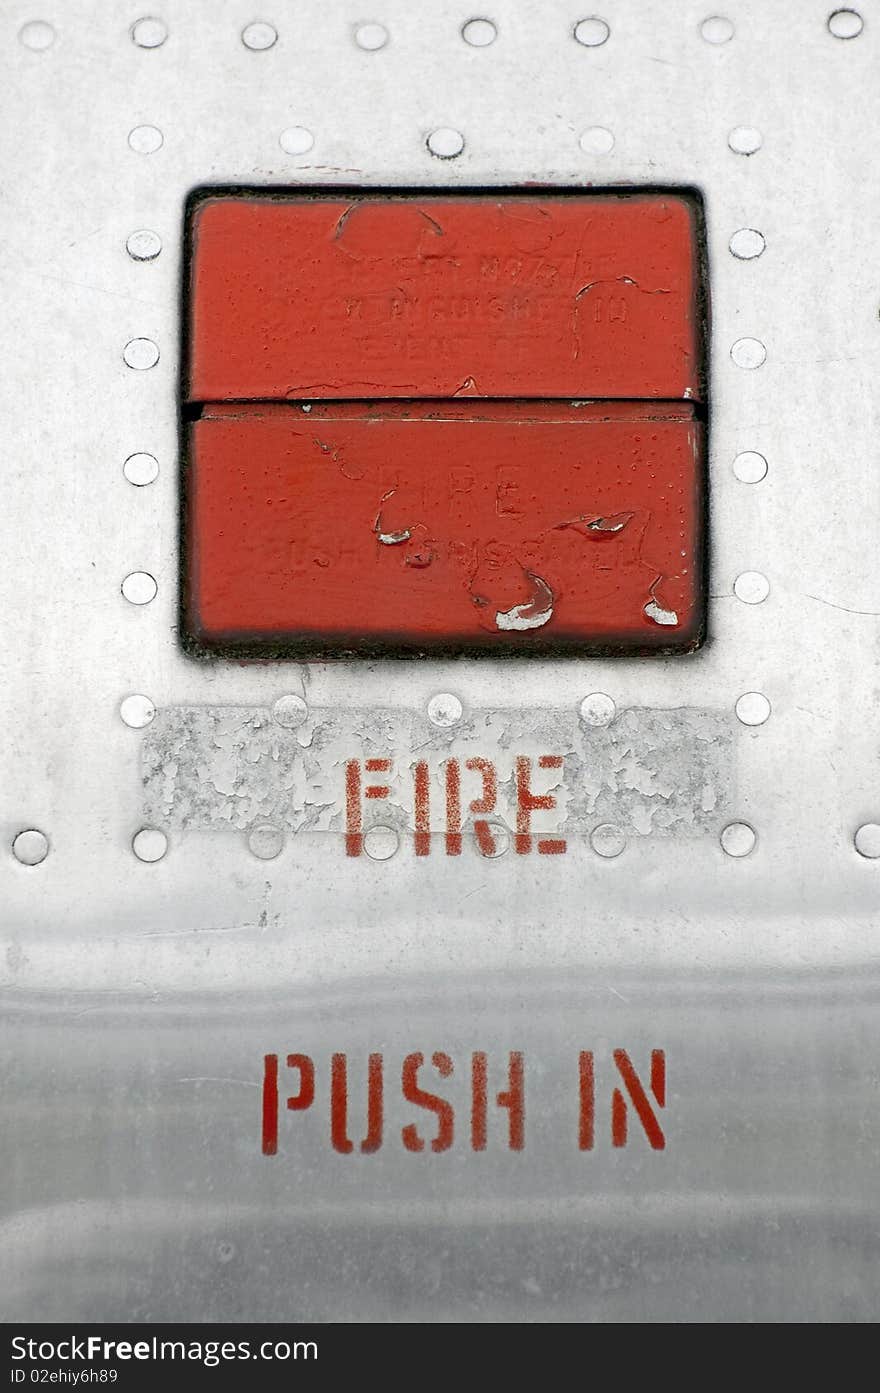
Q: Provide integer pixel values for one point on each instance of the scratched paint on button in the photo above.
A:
(666, 773)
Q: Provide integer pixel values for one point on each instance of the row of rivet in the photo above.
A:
(444, 710)
(258, 36)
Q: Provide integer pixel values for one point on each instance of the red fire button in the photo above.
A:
(446, 423)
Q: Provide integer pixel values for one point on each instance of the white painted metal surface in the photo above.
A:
(154, 954)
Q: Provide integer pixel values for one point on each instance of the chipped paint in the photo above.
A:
(613, 524)
(658, 612)
(389, 539)
(532, 613)
(393, 539)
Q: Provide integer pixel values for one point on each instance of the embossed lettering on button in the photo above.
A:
(498, 459)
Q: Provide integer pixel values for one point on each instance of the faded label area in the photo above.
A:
(535, 780)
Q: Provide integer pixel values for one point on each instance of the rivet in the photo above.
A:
(266, 841)
(444, 709)
(479, 33)
(149, 844)
(149, 32)
(145, 140)
(137, 711)
(597, 140)
(259, 36)
(751, 587)
(143, 245)
(753, 708)
(141, 469)
(30, 847)
(139, 588)
(607, 840)
(381, 842)
(747, 243)
(290, 711)
(750, 467)
(371, 36)
(296, 140)
(745, 140)
(141, 354)
(717, 30)
(867, 840)
(445, 143)
(592, 33)
(738, 839)
(748, 353)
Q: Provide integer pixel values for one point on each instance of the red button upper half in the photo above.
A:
(309, 297)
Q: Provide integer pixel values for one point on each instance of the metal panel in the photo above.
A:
(144, 989)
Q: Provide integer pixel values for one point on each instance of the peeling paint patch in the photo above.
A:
(665, 773)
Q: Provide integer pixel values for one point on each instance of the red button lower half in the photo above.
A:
(506, 527)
